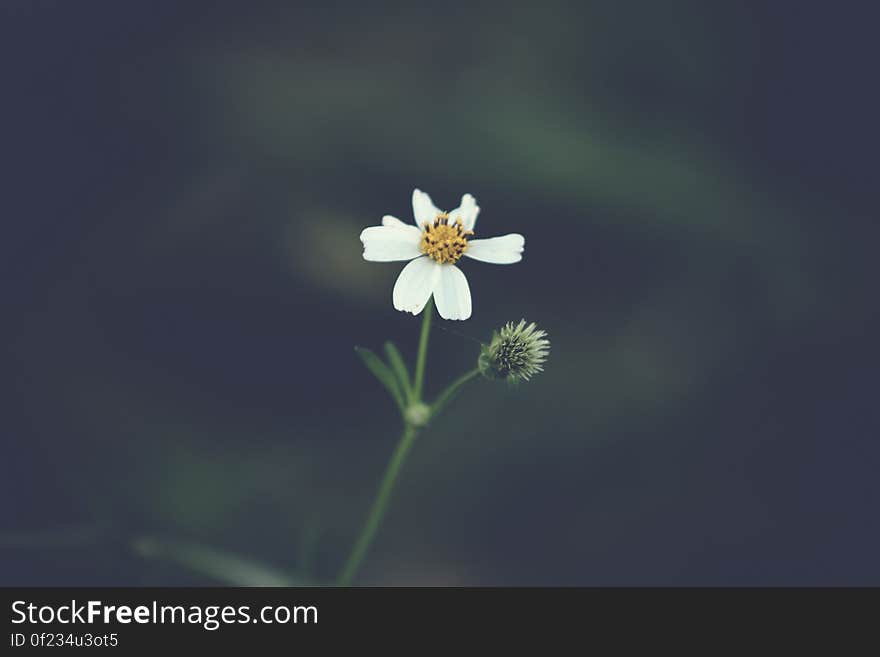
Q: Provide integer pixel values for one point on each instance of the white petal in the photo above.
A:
(415, 284)
(452, 294)
(503, 250)
(467, 212)
(388, 220)
(424, 209)
(387, 243)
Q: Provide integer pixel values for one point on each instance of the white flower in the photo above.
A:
(433, 246)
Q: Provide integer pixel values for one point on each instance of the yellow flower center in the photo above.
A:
(444, 242)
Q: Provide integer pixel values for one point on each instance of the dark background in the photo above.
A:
(183, 189)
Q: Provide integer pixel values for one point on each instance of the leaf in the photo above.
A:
(381, 371)
(398, 366)
(221, 566)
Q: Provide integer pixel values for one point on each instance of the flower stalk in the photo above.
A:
(422, 355)
(446, 396)
(380, 505)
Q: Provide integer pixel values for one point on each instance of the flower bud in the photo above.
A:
(516, 352)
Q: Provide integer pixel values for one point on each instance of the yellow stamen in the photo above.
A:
(444, 242)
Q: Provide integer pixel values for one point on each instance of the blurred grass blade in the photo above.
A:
(398, 366)
(381, 371)
(221, 566)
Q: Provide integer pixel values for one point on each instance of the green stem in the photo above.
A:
(449, 393)
(427, 313)
(379, 507)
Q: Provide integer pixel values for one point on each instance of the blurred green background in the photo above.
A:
(183, 286)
